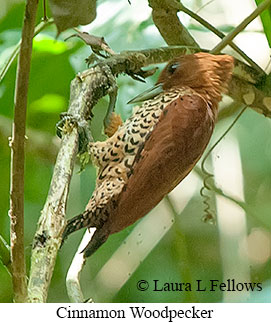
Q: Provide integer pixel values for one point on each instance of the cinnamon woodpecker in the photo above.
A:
(157, 147)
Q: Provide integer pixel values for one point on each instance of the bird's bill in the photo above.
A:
(148, 94)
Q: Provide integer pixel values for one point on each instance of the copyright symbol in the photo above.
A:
(142, 285)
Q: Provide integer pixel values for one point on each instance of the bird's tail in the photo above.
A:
(86, 220)
(95, 216)
(76, 223)
(99, 238)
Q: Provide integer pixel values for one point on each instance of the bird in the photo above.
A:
(149, 154)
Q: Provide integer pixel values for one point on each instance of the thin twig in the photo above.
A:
(226, 40)
(217, 32)
(218, 191)
(245, 206)
(17, 143)
(45, 18)
(228, 110)
(5, 254)
(203, 168)
(16, 49)
(204, 5)
(208, 176)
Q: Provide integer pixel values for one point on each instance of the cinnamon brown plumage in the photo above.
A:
(156, 147)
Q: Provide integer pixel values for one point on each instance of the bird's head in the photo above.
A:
(205, 73)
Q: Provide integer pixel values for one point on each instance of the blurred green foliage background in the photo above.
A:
(191, 249)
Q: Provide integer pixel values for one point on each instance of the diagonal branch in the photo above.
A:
(217, 32)
(225, 41)
(15, 52)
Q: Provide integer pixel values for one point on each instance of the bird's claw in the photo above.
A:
(67, 123)
(141, 74)
(92, 59)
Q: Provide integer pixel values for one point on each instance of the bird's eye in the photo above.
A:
(172, 67)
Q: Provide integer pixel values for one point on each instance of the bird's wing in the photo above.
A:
(170, 152)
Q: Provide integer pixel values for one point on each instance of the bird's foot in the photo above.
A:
(66, 125)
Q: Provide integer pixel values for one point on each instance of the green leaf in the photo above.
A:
(145, 24)
(266, 21)
(44, 43)
(49, 103)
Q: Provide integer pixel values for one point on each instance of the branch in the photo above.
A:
(218, 48)
(164, 14)
(16, 212)
(246, 93)
(257, 97)
(51, 223)
(217, 32)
